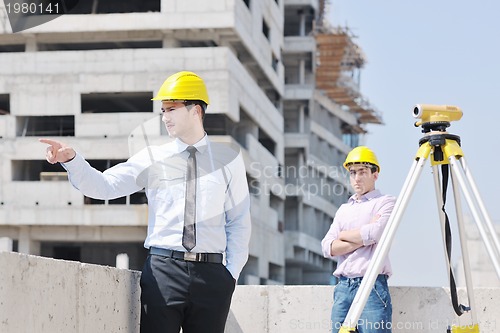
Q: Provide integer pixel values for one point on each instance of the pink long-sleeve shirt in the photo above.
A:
(358, 214)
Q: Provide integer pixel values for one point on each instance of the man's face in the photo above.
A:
(362, 179)
(178, 118)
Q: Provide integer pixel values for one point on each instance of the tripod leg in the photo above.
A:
(476, 212)
(383, 246)
(480, 203)
(463, 244)
(446, 232)
(439, 200)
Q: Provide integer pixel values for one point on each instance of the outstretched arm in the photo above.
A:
(115, 182)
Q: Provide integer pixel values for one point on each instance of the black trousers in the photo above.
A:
(193, 295)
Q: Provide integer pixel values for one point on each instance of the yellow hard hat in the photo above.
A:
(183, 86)
(360, 155)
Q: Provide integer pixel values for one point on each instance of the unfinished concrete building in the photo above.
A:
(283, 85)
(324, 115)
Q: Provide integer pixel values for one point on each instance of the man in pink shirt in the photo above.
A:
(352, 238)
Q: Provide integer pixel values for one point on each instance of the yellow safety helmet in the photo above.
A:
(361, 155)
(183, 86)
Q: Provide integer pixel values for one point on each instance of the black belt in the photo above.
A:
(215, 258)
(359, 279)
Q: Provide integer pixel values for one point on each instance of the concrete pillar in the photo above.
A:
(302, 71)
(122, 261)
(6, 244)
(302, 119)
(301, 167)
(243, 128)
(169, 42)
(302, 27)
(31, 45)
(264, 268)
(26, 244)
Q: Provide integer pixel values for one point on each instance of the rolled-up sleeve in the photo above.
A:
(371, 233)
(331, 235)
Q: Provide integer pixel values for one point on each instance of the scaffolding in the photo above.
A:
(339, 61)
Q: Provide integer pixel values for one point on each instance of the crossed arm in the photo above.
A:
(348, 241)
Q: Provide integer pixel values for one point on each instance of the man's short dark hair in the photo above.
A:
(373, 168)
(202, 105)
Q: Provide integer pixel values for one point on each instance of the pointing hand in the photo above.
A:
(58, 151)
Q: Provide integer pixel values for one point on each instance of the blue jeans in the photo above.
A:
(377, 314)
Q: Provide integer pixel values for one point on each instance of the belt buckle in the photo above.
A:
(190, 256)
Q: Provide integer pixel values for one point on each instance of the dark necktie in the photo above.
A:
(189, 231)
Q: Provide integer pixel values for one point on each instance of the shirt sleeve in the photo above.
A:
(238, 221)
(117, 181)
(331, 235)
(371, 233)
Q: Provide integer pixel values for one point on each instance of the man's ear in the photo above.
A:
(197, 109)
(375, 175)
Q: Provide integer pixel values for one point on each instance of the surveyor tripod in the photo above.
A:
(444, 150)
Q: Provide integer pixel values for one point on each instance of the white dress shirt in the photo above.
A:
(222, 202)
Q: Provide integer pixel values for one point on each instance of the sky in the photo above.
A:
(428, 52)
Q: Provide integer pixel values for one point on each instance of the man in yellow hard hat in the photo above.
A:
(198, 212)
(351, 240)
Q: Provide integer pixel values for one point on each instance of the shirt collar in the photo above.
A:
(201, 145)
(365, 197)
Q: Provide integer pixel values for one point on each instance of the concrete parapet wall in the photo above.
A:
(47, 295)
